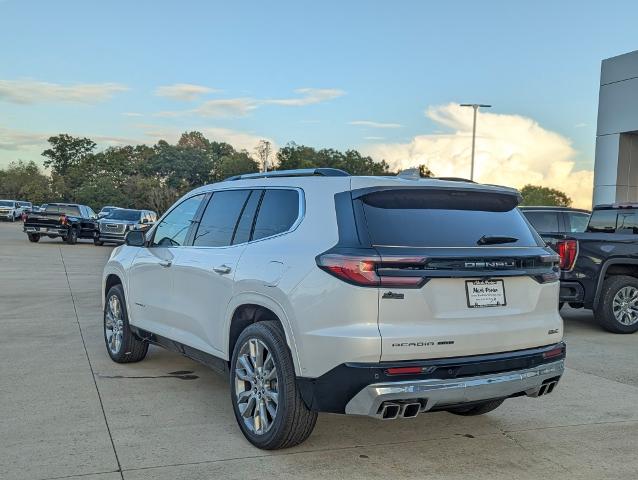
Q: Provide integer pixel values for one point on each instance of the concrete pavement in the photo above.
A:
(67, 411)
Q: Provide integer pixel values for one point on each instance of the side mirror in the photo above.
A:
(135, 238)
(145, 220)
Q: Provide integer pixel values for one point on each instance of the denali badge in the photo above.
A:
(491, 264)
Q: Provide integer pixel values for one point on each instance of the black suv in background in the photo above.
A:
(556, 219)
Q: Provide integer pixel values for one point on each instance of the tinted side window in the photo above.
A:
(602, 221)
(278, 211)
(217, 225)
(245, 225)
(543, 221)
(173, 229)
(627, 222)
(577, 222)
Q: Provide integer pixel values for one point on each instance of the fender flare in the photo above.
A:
(603, 272)
(266, 301)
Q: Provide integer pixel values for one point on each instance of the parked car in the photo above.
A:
(599, 268)
(317, 291)
(68, 221)
(556, 219)
(114, 226)
(10, 210)
(105, 211)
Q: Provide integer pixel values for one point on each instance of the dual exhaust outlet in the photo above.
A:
(393, 410)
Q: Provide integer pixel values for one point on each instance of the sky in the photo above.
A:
(385, 78)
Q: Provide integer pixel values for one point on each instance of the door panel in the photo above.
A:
(202, 294)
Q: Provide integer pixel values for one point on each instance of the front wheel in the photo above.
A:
(33, 237)
(477, 408)
(267, 404)
(121, 344)
(97, 242)
(72, 236)
(617, 309)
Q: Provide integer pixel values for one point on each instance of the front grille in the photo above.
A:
(113, 227)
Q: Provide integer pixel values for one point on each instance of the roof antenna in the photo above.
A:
(410, 174)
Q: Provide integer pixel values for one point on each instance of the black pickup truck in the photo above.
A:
(69, 221)
(599, 267)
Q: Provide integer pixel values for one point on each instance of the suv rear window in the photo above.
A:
(602, 221)
(444, 218)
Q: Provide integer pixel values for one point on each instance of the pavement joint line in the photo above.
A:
(604, 378)
(88, 359)
(509, 436)
(549, 427)
(80, 475)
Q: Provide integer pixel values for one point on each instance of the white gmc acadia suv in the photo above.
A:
(317, 291)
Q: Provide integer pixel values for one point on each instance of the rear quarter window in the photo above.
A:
(278, 211)
(428, 217)
(602, 221)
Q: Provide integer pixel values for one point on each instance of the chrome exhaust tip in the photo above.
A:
(390, 411)
(410, 410)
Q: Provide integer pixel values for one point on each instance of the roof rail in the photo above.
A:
(455, 179)
(301, 172)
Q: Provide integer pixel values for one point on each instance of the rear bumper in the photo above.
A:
(361, 388)
(58, 232)
(571, 292)
(430, 394)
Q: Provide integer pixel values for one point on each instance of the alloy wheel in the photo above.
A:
(114, 324)
(625, 305)
(256, 386)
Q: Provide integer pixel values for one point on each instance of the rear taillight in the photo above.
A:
(63, 220)
(567, 251)
(372, 270)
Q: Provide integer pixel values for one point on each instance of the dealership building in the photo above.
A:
(616, 168)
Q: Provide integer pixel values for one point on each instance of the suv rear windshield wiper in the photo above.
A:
(495, 239)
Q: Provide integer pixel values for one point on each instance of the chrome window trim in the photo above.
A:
(301, 214)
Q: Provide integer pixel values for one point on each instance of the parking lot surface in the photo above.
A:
(66, 410)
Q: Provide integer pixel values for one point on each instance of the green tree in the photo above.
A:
(25, 181)
(545, 196)
(236, 164)
(66, 151)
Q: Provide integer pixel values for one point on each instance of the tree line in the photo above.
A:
(153, 177)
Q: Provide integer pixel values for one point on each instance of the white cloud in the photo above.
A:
(372, 137)
(30, 91)
(186, 92)
(239, 107)
(132, 114)
(510, 150)
(371, 124)
(309, 96)
(18, 140)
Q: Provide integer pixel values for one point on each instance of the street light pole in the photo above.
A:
(475, 106)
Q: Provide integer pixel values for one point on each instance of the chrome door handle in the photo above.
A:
(166, 263)
(222, 269)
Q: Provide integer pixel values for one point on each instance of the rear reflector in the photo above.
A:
(404, 370)
(554, 352)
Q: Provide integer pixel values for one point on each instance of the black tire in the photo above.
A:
(477, 408)
(604, 312)
(13, 218)
(97, 242)
(131, 349)
(294, 421)
(33, 237)
(72, 236)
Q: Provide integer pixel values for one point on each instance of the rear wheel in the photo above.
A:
(33, 237)
(267, 404)
(121, 344)
(617, 309)
(97, 242)
(477, 408)
(72, 236)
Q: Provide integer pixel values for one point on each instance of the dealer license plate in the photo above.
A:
(485, 293)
